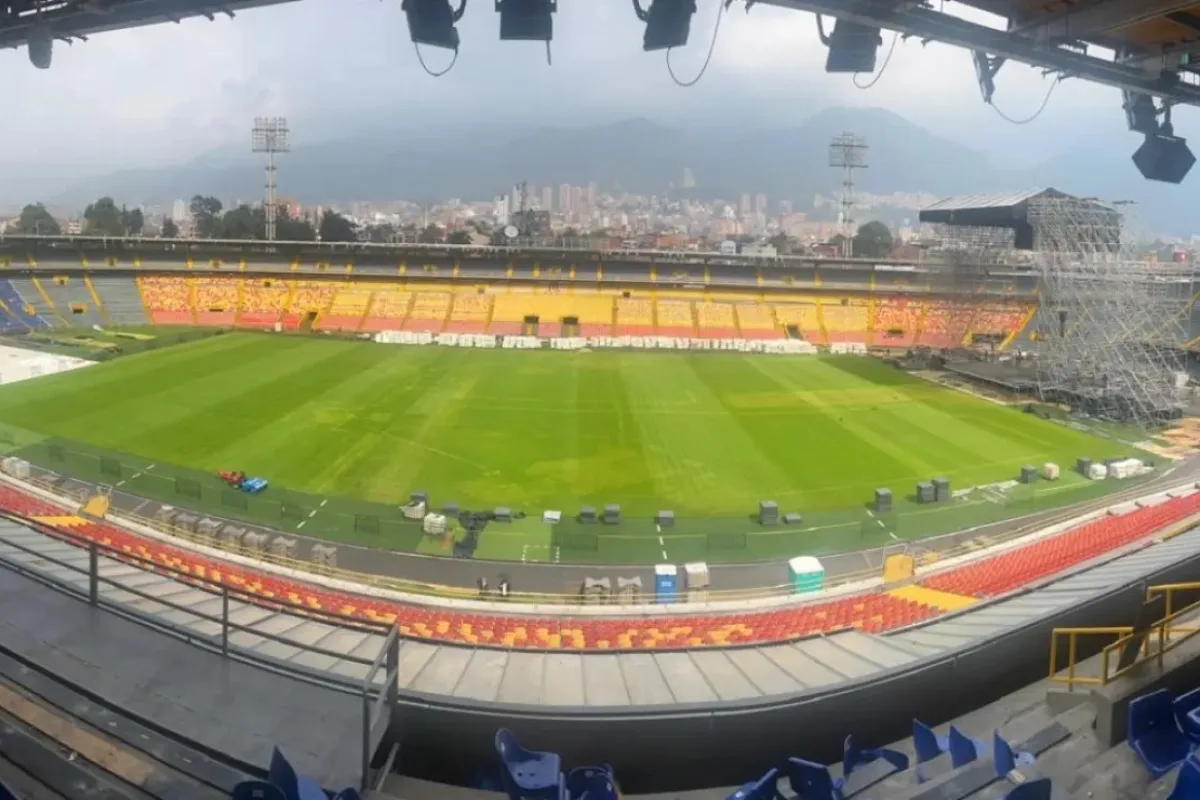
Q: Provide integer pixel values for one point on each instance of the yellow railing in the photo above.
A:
(1164, 635)
(434, 590)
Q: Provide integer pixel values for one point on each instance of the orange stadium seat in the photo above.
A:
(845, 320)
(469, 313)
(635, 317)
(873, 611)
(715, 321)
(897, 320)
(264, 301)
(675, 318)
(167, 299)
(309, 299)
(386, 310)
(757, 321)
(429, 312)
(216, 301)
(801, 315)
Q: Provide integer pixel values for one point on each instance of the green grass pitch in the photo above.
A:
(706, 435)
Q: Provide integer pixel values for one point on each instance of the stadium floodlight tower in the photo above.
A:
(1111, 323)
(271, 136)
(847, 152)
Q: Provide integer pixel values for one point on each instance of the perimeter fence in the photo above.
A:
(142, 487)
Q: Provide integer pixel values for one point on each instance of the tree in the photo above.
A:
(36, 220)
(206, 215)
(243, 222)
(432, 234)
(293, 230)
(873, 240)
(169, 229)
(781, 242)
(459, 237)
(336, 228)
(380, 234)
(133, 220)
(103, 218)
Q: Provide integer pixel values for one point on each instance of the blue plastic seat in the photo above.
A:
(294, 786)
(765, 788)
(592, 783)
(1034, 790)
(1187, 781)
(527, 773)
(1187, 714)
(854, 756)
(927, 744)
(1006, 761)
(812, 781)
(256, 790)
(1154, 734)
(964, 749)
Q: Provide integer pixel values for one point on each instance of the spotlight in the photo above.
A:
(526, 20)
(667, 23)
(41, 47)
(431, 22)
(852, 47)
(1164, 158)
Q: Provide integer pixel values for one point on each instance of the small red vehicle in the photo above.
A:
(234, 479)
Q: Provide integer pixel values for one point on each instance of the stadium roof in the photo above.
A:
(1156, 43)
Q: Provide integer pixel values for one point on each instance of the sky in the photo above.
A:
(168, 93)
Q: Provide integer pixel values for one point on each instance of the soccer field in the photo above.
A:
(706, 435)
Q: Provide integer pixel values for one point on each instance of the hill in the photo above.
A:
(646, 157)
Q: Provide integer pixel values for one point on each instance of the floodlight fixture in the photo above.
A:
(431, 22)
(852, 47)
(526, 20)
(41, 47)
(668, 23)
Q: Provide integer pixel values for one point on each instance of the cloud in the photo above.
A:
(168, 92)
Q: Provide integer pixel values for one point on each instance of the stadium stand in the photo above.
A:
(675, 318)
(897, 322)
(470, 312)
(167, 300)
(716, 320)
(263, 301)
(801, 320)
(310, 299)
(845, 319)
(15, 314)
(634, 317)
(347, 308)
(871, 611)
(121, 299)
(430, 310)
(387, 310)
(216, 300)
(34, 295)
(74, 299)
(757, 321)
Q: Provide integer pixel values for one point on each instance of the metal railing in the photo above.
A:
(379, 699)
(1160, 638)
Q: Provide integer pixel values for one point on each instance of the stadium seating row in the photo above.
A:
(348, 305)
(872, 612)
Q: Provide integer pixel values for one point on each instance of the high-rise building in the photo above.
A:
(502, 210)
(760, 203)
(564, 198)
(547, 198)
(744, 206)
(179, 211)
(591, 195)
(578, 198)
(785, 207)
(689, 179)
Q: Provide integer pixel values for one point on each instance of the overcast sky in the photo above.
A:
(170, 92)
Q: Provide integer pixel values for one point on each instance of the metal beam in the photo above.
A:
(1086, 21)
(928, 24)
(69, 21)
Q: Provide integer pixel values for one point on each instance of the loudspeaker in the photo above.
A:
(1164, 158)
(852, 47)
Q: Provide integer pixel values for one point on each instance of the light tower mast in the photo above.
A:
(847, 152)
(270, 135)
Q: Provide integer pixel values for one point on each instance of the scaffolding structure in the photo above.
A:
(1110, 323)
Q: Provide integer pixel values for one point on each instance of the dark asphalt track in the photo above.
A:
(567, 579)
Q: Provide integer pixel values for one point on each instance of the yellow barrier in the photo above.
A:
(1160, 638)
(455, 592)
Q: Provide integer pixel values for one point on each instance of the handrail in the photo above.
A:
(441, 591)
(1160, 638)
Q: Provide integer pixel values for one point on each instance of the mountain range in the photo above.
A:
(646, 157)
